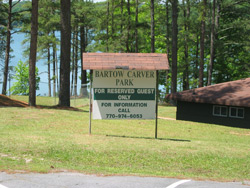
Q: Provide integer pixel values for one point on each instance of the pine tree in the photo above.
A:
(64, 96)
(33, 50)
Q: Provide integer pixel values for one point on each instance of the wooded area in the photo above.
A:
(207, 41)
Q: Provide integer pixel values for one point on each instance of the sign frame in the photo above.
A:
(124, 94)
(156, 102)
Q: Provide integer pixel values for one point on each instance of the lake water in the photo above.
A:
(18, 49)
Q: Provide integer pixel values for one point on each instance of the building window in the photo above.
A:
(236, 112)
(220, 111)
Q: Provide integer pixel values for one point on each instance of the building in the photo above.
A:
(224, 104)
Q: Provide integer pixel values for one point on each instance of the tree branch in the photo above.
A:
(15, 32)
(26, 10)
(4, 5)
(3, 26)
(236, 3)
(16, 3)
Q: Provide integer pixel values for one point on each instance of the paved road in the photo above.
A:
(77, 180)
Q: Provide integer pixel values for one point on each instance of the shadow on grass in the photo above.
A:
(151, 138)
(61, 108)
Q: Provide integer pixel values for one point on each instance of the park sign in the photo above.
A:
(124, 94)
(125, 85)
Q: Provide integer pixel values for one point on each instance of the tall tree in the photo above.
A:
(214, 28)
(73, 61)
(54, 69)
(196, 68)
(107, 28)
(84, 15)
(136, 25)
(232, 50)
(167, 27)
(7, 50)
(128, 26)
(33, 50)
(83, 72)
(49, 79)
(64, 96)
(10, 17)
(186, 15)
(152, 13)
(76, 65)
(174, 45)
(121, 25)
(112, 19)
(2, 31)
(211, 61)
(202, 43)
(167, 43)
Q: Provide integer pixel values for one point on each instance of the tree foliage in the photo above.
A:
(125, 26)
(21, 87)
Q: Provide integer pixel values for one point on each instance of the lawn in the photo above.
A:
(51, 101)
(44, 140)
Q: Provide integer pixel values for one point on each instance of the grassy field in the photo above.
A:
(51, 101)
(44, 140)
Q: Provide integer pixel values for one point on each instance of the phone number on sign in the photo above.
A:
(124, 116)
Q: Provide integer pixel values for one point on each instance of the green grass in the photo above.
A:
(42, 140)
(51, 101)
(167, 111)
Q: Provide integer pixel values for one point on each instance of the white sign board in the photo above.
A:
(124, 94)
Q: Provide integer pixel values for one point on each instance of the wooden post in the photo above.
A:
(90, 100)
(156, 105)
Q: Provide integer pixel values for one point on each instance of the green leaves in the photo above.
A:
(21, 87)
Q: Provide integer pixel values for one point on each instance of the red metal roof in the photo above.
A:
(137, 61)
(234, 93)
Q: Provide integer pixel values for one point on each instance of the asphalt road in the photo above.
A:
(77, 180)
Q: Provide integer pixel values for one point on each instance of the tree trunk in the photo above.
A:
(57, 74)
(168, 27)
(186, 14)
(83, 72)
(76, 65)
(136, 25)
(86, 37)
(128, 28)
(107, 28)
(196, 72)
(217, 17)
(211, 61)
(7, 50)
(152, 9)
(64, 97)
(121, 27)
(202, 45)
(33, 50)
(54, 70)
(174, 45)
(49, 84)
(112, 20)
(167, 43)
(73, 65)
(215, 38)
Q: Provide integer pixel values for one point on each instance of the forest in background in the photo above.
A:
(207, 41)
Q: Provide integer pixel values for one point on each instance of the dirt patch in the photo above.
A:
(6, 101)
(240, 134)
(167, 118)
(57, 107)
